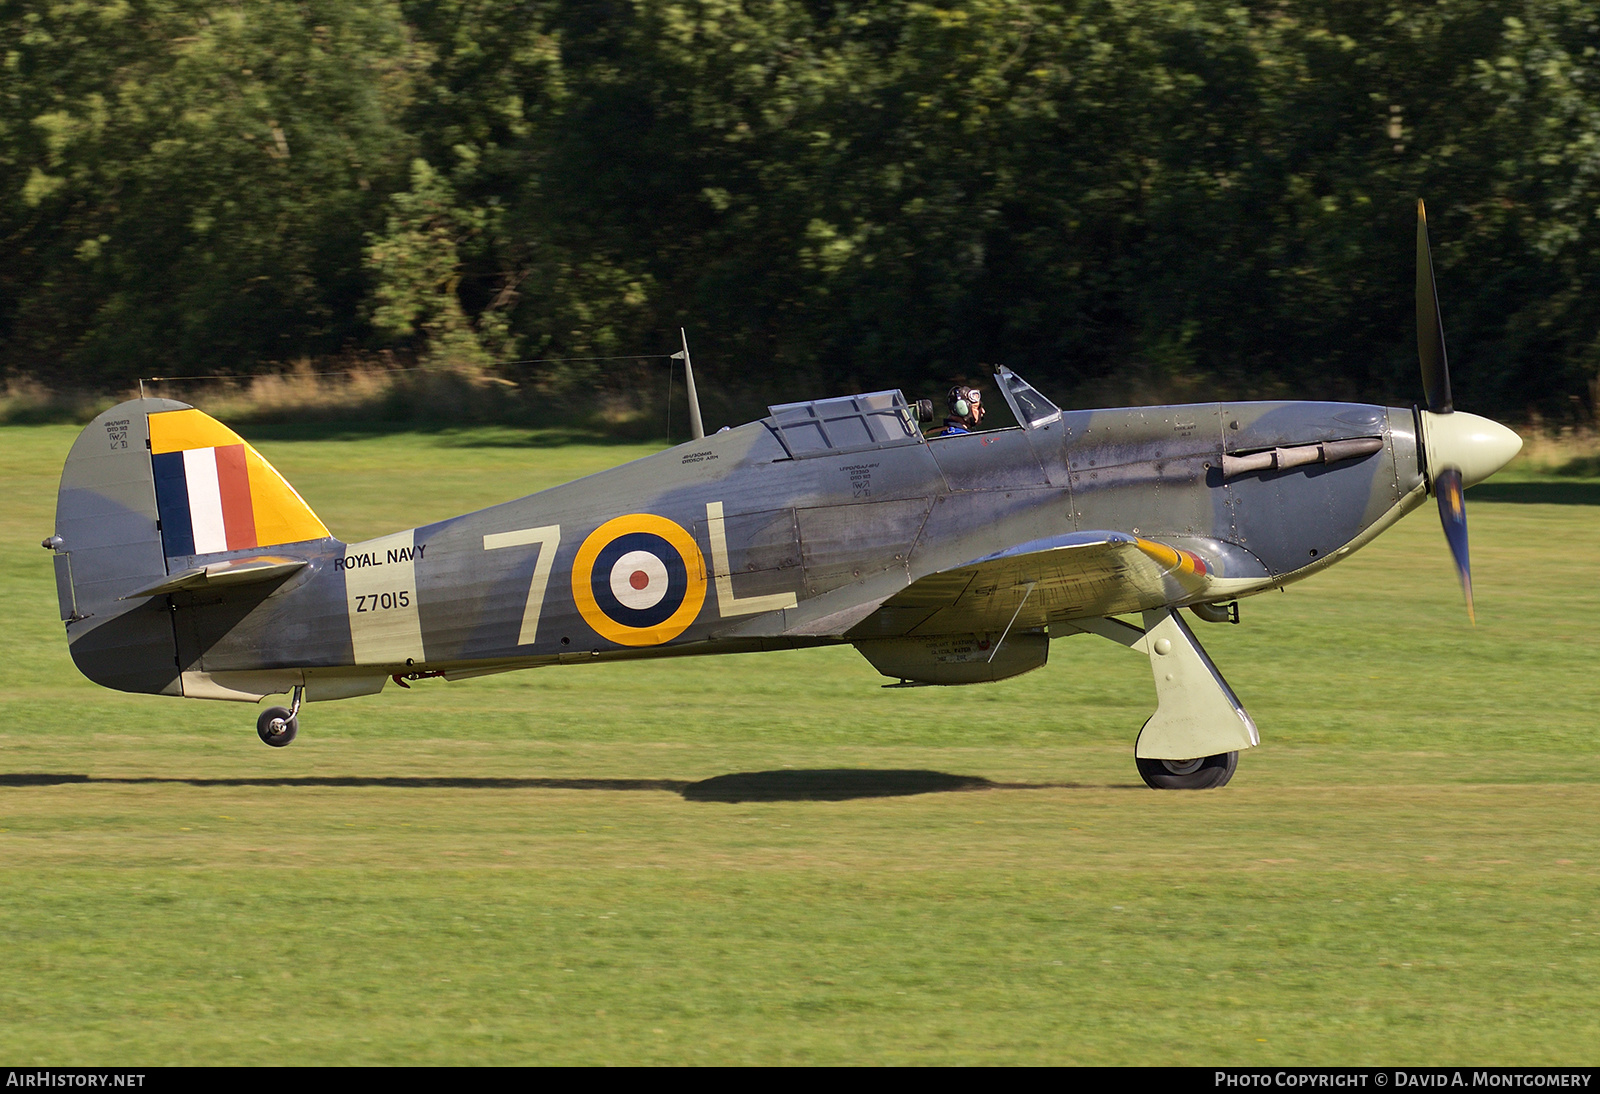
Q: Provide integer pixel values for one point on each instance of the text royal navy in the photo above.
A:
(370, 558)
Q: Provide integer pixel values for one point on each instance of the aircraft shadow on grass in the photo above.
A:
(823, 784)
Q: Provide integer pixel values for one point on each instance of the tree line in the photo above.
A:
(1120, 199)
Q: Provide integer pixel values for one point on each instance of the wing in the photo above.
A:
(1079, 576)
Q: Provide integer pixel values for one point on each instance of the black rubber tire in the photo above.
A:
(1207, 773)
(281, 734)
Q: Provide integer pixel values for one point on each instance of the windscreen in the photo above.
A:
(1032, 409)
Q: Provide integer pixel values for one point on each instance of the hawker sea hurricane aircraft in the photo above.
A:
(187, 566)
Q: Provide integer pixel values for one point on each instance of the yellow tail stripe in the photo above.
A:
(181, 430)
(281, 514)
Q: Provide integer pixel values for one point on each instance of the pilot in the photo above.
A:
(966, 411)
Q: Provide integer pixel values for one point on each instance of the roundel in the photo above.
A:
(639, 580)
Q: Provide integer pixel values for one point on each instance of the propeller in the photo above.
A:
(1430, 327)
(1447, 487)
(1461, 449)
(1453, 515)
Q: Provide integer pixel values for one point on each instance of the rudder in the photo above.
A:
(151, 488)
(216, 493)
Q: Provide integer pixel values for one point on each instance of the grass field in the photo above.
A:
(630, 863)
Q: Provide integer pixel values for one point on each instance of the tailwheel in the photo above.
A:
(1200, 773)
(277, 726)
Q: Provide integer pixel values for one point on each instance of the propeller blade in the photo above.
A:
(1453, 515)
(1430, 326)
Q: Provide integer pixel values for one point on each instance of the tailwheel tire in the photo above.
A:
(277, 727)
(1201, 773)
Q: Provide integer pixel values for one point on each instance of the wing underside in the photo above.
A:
(1080, 576)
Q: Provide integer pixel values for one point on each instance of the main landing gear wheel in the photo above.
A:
(277, 727)
(1201, 773)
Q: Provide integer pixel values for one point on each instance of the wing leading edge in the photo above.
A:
(1077, 576)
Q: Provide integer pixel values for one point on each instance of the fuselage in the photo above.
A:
(731, 542)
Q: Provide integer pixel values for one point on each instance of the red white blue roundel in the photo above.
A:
(639, 580)
(640, 577)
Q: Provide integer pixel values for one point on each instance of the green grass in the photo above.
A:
(526, 869)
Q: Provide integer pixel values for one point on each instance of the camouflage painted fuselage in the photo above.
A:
(734, 542)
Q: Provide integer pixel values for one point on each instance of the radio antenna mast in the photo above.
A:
(696, 428)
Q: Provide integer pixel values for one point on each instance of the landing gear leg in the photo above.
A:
(1193, 739)
(277, 726)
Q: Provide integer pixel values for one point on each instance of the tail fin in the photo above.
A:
(215, 493)
(150, 487)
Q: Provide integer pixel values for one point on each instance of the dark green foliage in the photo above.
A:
(1122, 198)
(186, 183)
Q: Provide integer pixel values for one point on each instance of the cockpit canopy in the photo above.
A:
(883, 419)
(850, 423)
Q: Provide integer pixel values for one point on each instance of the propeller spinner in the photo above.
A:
(1460, 449)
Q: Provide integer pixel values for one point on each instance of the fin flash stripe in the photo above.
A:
(215, 493)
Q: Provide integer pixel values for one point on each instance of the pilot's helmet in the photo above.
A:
(966, 403)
